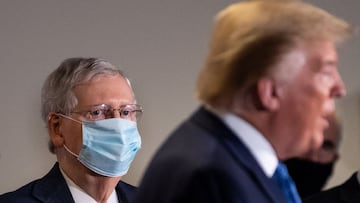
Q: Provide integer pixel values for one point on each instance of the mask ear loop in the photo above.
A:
(68, 117)
(72, 153)
(66, 148)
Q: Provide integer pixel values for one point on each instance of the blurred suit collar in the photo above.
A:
(258, 145)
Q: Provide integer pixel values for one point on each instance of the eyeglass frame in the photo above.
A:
(138, 110)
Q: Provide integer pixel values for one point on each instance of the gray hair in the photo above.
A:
(57, 95)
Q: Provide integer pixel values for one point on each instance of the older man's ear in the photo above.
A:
(54, 129)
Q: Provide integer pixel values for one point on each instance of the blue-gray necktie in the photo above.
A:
(286, 184)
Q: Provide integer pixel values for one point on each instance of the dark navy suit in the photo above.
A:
(52, 188)
(203, 161)
(348, 192)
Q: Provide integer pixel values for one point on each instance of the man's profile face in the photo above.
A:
(308, 98)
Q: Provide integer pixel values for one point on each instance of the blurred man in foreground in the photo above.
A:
(267, 88)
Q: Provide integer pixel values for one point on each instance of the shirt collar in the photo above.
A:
(80, 196)
(257, 144)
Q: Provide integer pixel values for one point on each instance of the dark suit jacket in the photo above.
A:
(52, 188)
(203, 161)
(348, 192)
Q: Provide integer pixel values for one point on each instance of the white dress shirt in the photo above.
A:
(257, 144)
(80, 196)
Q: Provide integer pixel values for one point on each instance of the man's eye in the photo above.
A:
(97, 112)
(125, 113)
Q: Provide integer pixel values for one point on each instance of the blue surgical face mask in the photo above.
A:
(109, 145)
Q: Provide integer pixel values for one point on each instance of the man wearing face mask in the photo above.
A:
(89, 108)
(311, 172)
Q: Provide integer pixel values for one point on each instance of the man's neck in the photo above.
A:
(97, 186)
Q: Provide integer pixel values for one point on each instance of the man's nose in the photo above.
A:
(339, 89)
(116, 113)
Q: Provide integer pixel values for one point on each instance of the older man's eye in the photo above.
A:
(96, 112)
(125, 113)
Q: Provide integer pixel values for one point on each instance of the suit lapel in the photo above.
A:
(350, 190)
(52, 188)
(239, 151)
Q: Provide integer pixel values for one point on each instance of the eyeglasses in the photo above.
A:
(104, 111)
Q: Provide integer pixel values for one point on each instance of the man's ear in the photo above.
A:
(54, 128)
(267, 92)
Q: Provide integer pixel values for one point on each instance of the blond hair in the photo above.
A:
(250, 37)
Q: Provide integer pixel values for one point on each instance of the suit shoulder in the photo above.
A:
(23, 194)
(349, 190)
(126, 191)
(126, 186)
(329, 196)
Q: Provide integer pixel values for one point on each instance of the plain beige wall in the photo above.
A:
(160, 44)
